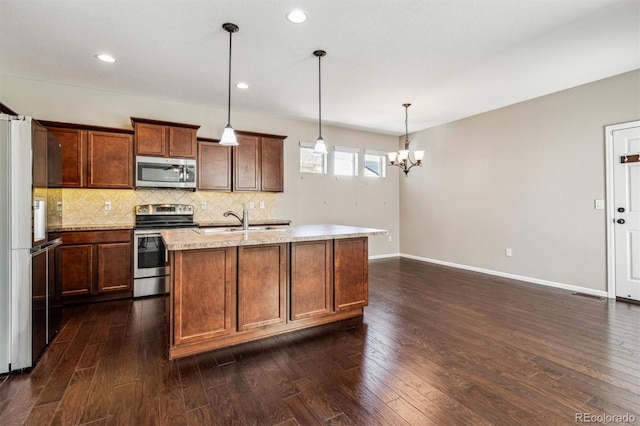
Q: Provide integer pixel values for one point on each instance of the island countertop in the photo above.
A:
(193, 239)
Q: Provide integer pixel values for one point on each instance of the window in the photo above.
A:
(375, 163)
(310, 162)
(345, 161)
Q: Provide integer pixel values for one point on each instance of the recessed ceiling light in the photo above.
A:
(242, 85)
(296, 16)
(106, 58)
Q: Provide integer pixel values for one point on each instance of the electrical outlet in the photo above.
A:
(203, 206)
(59, 206)
(251, 205)
(389, 238)
(107, 205)
(262, 204)
(507, 252)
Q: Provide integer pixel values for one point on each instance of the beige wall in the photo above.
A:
(524, 177)
(307, 198)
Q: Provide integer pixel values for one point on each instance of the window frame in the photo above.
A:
(355, 152)
(383, 162)
(310, 146)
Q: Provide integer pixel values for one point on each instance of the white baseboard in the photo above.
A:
(384, 256)
(584, 290)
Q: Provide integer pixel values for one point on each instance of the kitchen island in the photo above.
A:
(233, 286)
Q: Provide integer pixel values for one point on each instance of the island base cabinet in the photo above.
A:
(351, 257)
(202, 294)
(311, 279)
(262, 274)
(226, 296)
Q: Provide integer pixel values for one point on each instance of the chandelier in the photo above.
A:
(402, 158)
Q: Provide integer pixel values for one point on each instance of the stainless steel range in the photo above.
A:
(150, 268)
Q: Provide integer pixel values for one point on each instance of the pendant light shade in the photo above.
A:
(320, 147)
(228, 135)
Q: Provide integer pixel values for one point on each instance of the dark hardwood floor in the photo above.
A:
(436, 346)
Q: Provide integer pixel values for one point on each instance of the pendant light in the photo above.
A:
(320, 147)
(402, 158)
(228, 135)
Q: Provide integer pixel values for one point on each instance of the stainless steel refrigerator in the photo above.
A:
(30, 311)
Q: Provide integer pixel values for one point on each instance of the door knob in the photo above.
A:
(620, 209)
(620, 221)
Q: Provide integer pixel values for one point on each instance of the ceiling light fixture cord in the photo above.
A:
(228, 135)
(229, 85)
(320, 147)
(319, 97)
(406, 125)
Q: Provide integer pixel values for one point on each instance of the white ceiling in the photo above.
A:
(449, 58)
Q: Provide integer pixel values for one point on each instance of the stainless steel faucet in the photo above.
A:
(244, 220)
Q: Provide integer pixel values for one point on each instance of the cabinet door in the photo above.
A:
(39, 147)
(110, 160)
(73, 145)
(151, 140)
(182, 142)
(311, 278)
(262, 272)
(246, 164)
(214, 166)
(114, 267)
(203, 294)
(76, 269)
(272, 166)
(351, 273)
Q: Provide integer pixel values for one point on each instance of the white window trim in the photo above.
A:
(377, 152)
(348, 150)
(309, 145)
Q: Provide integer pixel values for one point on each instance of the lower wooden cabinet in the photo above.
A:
(311, 278)
(351, 257)
(230, 295)
(203, 293)
(94, 265)
(262, 274)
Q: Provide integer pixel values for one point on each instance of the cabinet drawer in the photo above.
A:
(92, 237)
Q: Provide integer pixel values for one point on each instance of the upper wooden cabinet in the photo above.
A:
(109, 160)
(89, 157)
(214, 165)
(258, 162)
(164, 139)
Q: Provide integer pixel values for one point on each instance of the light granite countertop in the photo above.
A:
(94, 227)
(190, 239)
(252, 222)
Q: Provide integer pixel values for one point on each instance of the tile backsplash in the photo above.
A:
(87, 206)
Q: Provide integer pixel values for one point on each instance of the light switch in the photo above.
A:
(598, 204)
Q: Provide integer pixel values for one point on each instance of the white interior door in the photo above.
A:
(626, 214)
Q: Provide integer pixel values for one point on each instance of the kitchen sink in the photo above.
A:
(212, 231)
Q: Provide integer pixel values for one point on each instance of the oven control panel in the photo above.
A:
(164, 209)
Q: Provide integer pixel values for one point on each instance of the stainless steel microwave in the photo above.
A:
(159, 172)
